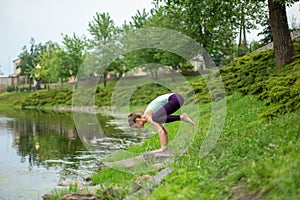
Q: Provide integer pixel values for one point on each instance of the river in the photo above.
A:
(40, 151)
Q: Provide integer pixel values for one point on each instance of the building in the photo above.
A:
(12, 79)
(16, 63)
(16, 78)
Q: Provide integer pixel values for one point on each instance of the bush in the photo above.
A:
(256, 74)
(10, 88)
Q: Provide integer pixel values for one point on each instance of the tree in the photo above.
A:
(266, 32)
(49, 59)
(215, 24)
(72, 56)
(160, 17)
(282, 41)
(167, 17)
(139, 20)
(102, 29)
(250, 13)
(29, 59)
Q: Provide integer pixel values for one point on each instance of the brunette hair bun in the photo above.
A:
(131, 119)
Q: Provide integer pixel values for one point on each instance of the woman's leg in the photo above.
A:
(163, 138)
(163, 115)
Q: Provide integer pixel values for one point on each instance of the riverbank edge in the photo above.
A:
(231, 180)
(78, 189)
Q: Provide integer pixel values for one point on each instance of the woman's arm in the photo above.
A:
(156, 125)
(162, 132)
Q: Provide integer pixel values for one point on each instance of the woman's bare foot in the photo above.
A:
(184, 117)
(156, 151)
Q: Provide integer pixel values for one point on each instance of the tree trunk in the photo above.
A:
(242, 46)
(104, 79)
(38, 84)
(282, 41)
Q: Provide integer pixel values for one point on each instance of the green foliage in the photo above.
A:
(45, 98)
(48, 61)
(29, 58)
(11, 88)
(103, 94)
(253, 156)
(146, 93)
(72, 56)
(213, 24)
(101, 28)
(58, 193)
(255, 74)
(12, 98)
(55, 62)
(139, 20)
(252, 74)
(108, 182)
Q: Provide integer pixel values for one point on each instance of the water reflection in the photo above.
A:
(43, 148)
(42, 135)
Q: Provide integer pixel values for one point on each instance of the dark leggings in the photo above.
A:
(163, 115)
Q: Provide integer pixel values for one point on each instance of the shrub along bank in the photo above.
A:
(253, 74)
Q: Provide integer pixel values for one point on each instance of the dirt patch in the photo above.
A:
(241, 192)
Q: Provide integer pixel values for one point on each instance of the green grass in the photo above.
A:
(253, 156)
(9, 99)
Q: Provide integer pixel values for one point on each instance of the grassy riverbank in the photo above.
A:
(257, 153)
(254, 157)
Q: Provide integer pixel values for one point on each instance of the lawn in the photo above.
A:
(253, 157)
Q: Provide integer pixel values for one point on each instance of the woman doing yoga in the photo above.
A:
(160, 111)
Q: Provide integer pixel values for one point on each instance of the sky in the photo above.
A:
(46, 20)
